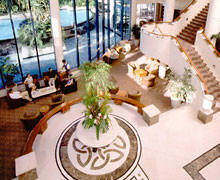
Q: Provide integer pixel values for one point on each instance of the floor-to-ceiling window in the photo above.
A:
(25, 39)
(89, 28)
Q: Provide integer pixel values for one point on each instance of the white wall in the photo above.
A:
(206, 51)
(167, 51)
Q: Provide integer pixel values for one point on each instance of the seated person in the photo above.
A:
(29, 82)
(18, 95)
(49, 77)
(57, 81)
(69, 84)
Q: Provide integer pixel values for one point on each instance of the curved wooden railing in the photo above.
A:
(188, 58)
(33, 134)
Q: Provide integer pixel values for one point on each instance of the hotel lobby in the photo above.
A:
(150, 134)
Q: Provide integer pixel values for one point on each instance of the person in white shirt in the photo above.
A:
(17, 95)
(30, 82)
(65, 67)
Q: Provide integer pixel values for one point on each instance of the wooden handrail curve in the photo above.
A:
(33, 134)
(189, 59)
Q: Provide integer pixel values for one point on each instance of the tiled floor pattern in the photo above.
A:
(202, 161)
(114, 161)
(166, 146)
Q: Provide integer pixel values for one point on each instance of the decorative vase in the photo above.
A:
(175, 102)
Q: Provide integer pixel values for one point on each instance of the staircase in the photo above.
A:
(189, 32)
(187, 38)
(212, 84)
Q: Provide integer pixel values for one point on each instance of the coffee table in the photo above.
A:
(88, 136)
(43, 91)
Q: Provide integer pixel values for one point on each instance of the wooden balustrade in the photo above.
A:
(33, 134)
(189, 59)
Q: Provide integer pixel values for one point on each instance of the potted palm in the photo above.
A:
(136, 33)
(180, 88)
(8, 70)
(94, 84)
(217, 43)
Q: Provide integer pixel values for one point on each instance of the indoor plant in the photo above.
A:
(94, 84)
(136, 33)
(180, 87)
(8, 70)
(217, 43)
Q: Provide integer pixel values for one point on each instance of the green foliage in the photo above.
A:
(180, 87)
(42, 26)
(43, 33)
(6, 68)
(216, 36)
(94, 85)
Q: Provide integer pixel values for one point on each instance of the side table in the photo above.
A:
(151, 114)
(44, 110)
(121, 93)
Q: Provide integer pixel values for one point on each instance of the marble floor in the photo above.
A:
(168, 150)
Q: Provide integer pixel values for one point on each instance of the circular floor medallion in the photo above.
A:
(115, 161)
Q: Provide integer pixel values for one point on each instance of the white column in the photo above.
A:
(56, 31)
(133, 13)
(169, 6)
(213, 19)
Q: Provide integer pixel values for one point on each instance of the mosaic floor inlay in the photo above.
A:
(119, 160)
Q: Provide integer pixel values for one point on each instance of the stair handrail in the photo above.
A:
(208, 40)
(33, 134)
(188, 58)
(177, 18)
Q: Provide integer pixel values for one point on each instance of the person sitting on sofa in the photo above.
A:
(68, 85)
(49, 77)
(18, 95)
(29, 82)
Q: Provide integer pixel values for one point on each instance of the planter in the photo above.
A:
(28, 51)
(175, 102)
(88, 136)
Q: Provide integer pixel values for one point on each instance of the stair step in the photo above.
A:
(189, 31)
(190, 28)
(205, 13)
(202, 18)
(196, 28)
(196, 58)
(191, 36)
(186, 39)
(213, 83)
(202, 15)
(199, 21)
(210, 79)
(214, 90)
(216, 94)
(207, 75)
(203, 69)
(193, 53)
(196, 24)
